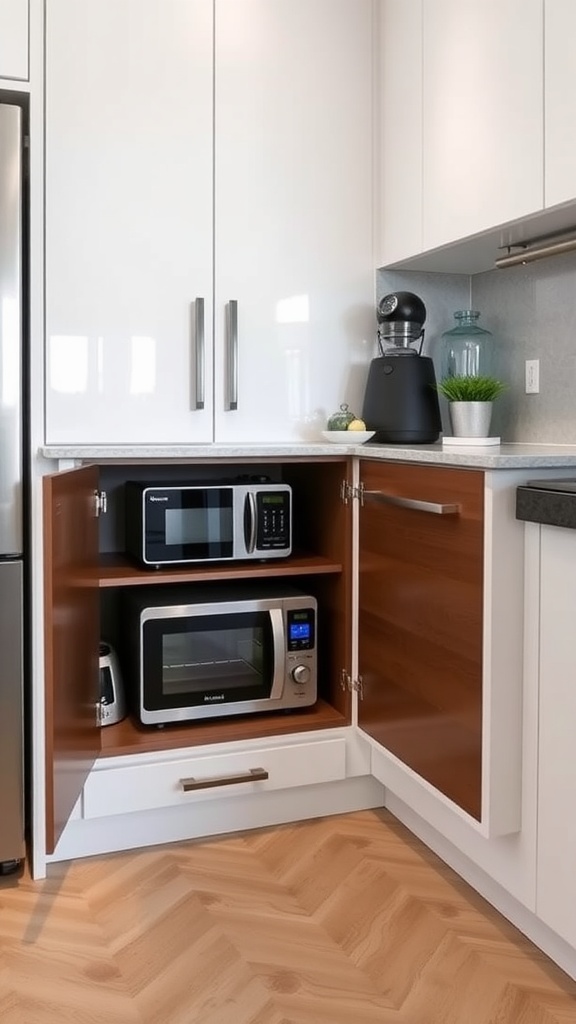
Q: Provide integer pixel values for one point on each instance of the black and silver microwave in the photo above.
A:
(184, 523)
(208, 650)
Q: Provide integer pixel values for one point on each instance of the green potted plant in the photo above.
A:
(470, 403)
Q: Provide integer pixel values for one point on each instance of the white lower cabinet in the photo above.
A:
(129, 802)
(128, 785)
(512, 852)
(556, 874)
(452, 654)
(181, 781)
(516, 842)
(14, 40)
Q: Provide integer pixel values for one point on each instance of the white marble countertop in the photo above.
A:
(504, 456)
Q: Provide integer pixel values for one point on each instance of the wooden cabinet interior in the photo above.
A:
(420, 624)
(320, 565)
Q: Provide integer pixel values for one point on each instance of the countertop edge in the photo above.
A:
(505, 456)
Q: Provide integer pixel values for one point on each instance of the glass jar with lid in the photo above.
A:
(467, 347)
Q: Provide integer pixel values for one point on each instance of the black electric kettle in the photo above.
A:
(401, 401)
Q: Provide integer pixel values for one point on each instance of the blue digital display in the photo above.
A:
(299, 630)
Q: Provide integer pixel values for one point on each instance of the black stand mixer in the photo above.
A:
(401, 401)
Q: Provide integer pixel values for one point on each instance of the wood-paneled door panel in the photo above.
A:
(420, 623)
(72, 625)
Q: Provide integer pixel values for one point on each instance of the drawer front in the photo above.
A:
(177, 783)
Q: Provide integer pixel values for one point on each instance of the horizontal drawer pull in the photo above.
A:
(211, 782)
(436, 508)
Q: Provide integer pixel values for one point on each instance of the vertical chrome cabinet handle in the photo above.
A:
(232, 369)
(199, 355)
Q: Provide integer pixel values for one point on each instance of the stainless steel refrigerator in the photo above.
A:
(11, 487)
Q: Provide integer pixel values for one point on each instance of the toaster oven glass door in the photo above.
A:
(200, 660)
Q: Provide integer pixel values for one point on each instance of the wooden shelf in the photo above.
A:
(116, 570)
(129, 737)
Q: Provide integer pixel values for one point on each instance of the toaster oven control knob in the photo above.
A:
(301, 674)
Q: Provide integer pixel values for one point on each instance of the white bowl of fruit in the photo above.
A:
(346, 428)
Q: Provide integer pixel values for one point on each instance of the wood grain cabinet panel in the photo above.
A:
(420, 622)
(71, 605)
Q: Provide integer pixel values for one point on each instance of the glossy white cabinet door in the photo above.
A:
(556, 877)
(129, 198)
(400, 121)
(560, 101)
(293, 213)
(14, 39)
(483, 121)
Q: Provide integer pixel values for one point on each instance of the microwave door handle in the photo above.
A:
(250, 522)
(279, 642)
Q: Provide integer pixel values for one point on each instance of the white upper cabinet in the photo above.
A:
(461, 120)
(280, 251)
(14, 39)
(400, 119)
(128, 219)
(560, 101)
(293, 214)
(482, 115)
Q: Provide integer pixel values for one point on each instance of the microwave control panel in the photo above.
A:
(273, 519)
(301, 652)
(301, 632)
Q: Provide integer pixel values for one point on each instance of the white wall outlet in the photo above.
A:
(532, 376)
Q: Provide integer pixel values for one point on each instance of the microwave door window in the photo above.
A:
(232, 658)
(210, 660)
(194, 524)
(209, 528)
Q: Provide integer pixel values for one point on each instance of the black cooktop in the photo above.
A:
(551, 502)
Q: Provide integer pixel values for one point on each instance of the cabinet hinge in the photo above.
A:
(353, 685)
(348, 492)
(100, 503)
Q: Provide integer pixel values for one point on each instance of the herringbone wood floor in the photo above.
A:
(344, 920)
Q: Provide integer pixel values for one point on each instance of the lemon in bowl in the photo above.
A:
(349, 437)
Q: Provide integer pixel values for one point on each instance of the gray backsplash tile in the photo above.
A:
(531, 311)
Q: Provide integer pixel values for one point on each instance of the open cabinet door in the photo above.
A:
(420, 622)
(72, 614)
